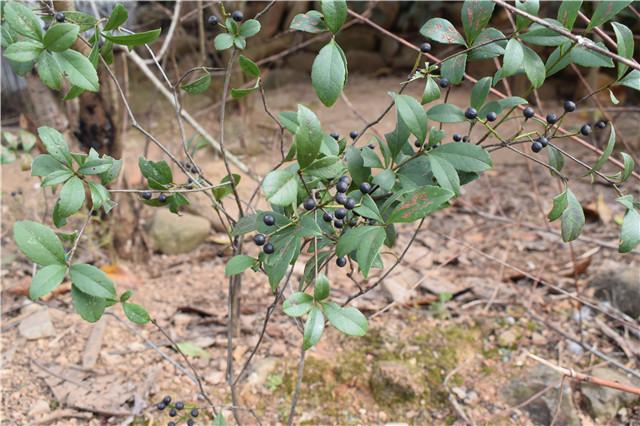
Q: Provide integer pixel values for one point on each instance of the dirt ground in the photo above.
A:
(482, 251)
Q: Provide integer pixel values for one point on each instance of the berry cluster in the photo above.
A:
(236, 15)
(175, 408)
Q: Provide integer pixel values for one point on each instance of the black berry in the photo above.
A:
(444, 82)
(171, 424)
(166, 399)
(492, 116)
(569, 106)
(342, 186)
(309, 204)
(585, 130)
(59, 16)
(471, 113)
(179, 405)
(425, 47)
(371, 221)
(528, 112)
(212, 20)
(237, 16)
(552, 118)
(536, 146)
(173, 412)
(365, 187)
(341, 261)
(601, 124)
(327, 217)
(335, 135)
(146, 195)
(191, 422)
(259, 239)
(350, 204)
(353, 134)
(543, 141)
(268, 248)
(161, 406)
(341, 198)
(344, 179)
(162, 198)
(194, 412)
(371, 146)
(269, 220)
(417, 143)
(340, 213)
(465, 139)
(338, 223)
(457, 137)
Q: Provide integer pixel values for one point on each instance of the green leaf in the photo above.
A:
(480, 91)
(560, 203)
(222, 191)
(287, 249)
(442, 31)
(297, 304)
(385, 179)
(606, 153)
(90, 308)
(242, 92)
(280, 187)
(46, 280)
(119, 16)
(57, 177)
(240, 42)
(321, 289)
(628, 163)
(100, 197)
(572, 219)
(348, 319)
(133, 40)
(199, 85)
(238, 264)
(513, 58)
(55, 144)
(329, 73)
(446, 113)
(464, 157)
(558, 60)
(193, 350)
(556, 159)
(533, 67)
(624, 38)
(38, 243)
(370, 158)
(92, 281)
(420, 202)
(530, 6)
(308, 137)
(223, 41)
(355, 163)
(568, 12)
(366, 240)
(588, 58)
(630, 231)
(368, 209)
(412, 115)
(136, 313)
(249, 28)
(431, 91)
(61, 37)
(71, 197)
(78, 69)
(631, 80)
(475, 17)
(244, 225)
(310, 22)
(22, 20)
(249, 67)
(313, 328)
(111, 174)
(23, 51)
(491, 50)
(543, 36)
(326, 168)
(157, 173)
(606, 11)
(49, 71)
(500, 105)
(335, 14)
(453, 68)
(219, 420)
(445, 173)
(44, 165)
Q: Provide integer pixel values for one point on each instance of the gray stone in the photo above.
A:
(542, 409)
(619, 284)
(394, 382)
(173, 234)
(37, 325)
(604, 403)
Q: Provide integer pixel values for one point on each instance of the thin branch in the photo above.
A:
(296, 392)
(172, 28)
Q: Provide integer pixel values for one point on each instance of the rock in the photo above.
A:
(399, 286)
(508, 338)
(604, 403)
(618, 284)
(39, 407)
(260, 372)
(37, 325)
(542, 409)
(173, 234)
(393, 382)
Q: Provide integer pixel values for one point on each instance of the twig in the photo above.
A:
(75, 243)
(172, 28)
(296, 392)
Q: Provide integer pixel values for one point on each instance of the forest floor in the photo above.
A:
(449, 330)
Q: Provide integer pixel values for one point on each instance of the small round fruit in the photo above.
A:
(259, 239)
(417, 144)
(173, 412)
(543, 141)
(161, 406)
(465, 139)
(191, 422)
(536, 146)
(340, 213)
(335, 135)
(309, 204)
(340, 198)
(601, 124)
(371, 221)
(237, 16)
(425, 47)
(59, 16)
(179, 405)
(146, 195)
(344, 178)
(268, 248)
(162, 198)
(552, 118)
(269, 220)
(492, 116)
(528, 112)
(171, 424)
(354, 134)
(166, 399)
(342, 186)
(585, 130)
(471, 113)
(444, 82)
(212, 20)
(569, 106)
(350, 204)
(365, 187)
(194, 412)
(338, 223)
(341, 261)
(457, 137)
(327, 217)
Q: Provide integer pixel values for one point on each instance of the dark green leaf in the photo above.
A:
(90, 308)
(49, 71)
(55, 144)
(249, 28)
(543, 36)
(119, 16)
(61, 37)
(412, 115)
(23, 51)
(624, 38)
(348, 319)
(244, 225)
(310, 22)
(419, 203)
(490, 50)
(242, 92)
(480, 91)
(558, 60)
(513, 58)
(442, 31)
(464, 157)
(560, 203)
(631, 80)
(308, 137)
(249, 67)
(100, 197)
(606, 10)
(385, 179)
(588, 58)
(57, 177)
(335, 14)
(453, 68)
(157, 173)
(446, 113)
(606, 153)
(133, 40)
(556, 159)
(368, 208)
(328, 74)
(445, 173)
(71, 197)
(45, 164)
(628, 166)
(240, 42)
(46, 280)
(39, 243)
(22, 20)
(572, 219)
(431, 91)
(226, 188)
(326, 168)
(529, 6)
(313, 328)
(238, 264)
(92, 281)
(78, 69)
(533, 67)
(366, 241)
(355, 163)
(280, 187)
(630, 231)
(568, 12)
(475, 17)
(297, 304)
(199, 85)
(370, 158)
(136, 313)
(321, 289)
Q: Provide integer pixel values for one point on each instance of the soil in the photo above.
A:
(476, 341)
